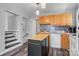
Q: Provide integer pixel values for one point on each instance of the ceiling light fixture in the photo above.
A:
(37, 12)
(36, 4)
(42, 5)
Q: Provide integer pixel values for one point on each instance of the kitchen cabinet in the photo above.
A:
(59, 40)
(39, 45)
(44, 20)
(37, 48)
(65, 41)
(64, 19)
(61, 19)
(68, 19)
(52, 20)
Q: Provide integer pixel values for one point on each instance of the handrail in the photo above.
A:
(25, 35)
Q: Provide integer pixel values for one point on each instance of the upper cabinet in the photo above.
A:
(44, 20)
(64, 19)
(61, 20)
(69, 19)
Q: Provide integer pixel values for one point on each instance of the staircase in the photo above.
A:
(10, 39)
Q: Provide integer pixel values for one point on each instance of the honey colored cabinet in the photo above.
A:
(68, 19)
(52, 20)
(65, 41)
(60, 20)
(64, 19)
(44, 20)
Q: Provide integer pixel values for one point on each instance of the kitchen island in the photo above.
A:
(39, 44)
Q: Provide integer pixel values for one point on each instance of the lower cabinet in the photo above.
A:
(55, 41)
(37, 48)
(65, 43)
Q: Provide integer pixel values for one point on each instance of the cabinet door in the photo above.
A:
(34, 50)
(53, 20)
(69, 19)
(60, 19)
(57, 20)
(44, 20)
(56, 24)
(65, 41)
(41, 20)
(63, 22)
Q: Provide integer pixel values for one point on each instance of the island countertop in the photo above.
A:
(40, 36)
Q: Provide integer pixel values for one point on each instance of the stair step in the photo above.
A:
(10, 41)
(8, 33)
(9, 37)
(11, 45)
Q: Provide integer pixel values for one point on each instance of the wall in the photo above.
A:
(2, 28)
(37, 25)
(33, 28)
(52, 28)
(15, 8)
(12, 22)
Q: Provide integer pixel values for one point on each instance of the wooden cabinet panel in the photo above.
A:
(57, 20)
(63, 20)
(69, 19)
(60, 20)
(44, 20)
(65, 41)
(52, 20)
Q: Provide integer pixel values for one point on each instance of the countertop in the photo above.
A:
(40, 36)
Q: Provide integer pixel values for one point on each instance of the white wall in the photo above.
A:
(37, 25)
(2, 28)
(14, 8)
(12, 22)
(33, 28)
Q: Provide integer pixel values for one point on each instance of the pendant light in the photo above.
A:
(37, 12)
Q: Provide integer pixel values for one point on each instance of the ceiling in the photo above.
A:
(55, 8)
(29, 9)
(51, 8)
